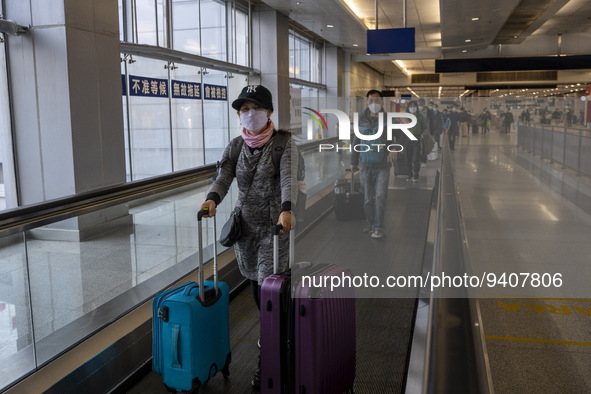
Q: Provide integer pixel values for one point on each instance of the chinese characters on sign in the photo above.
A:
(188, 90)
(147, 87)
(215, 92)
(155, 87)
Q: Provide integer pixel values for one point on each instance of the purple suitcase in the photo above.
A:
(306, 343)
(276, 323)
(324, 337)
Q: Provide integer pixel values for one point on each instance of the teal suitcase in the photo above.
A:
(191, 339)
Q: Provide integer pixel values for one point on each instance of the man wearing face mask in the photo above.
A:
(454, 127)
(266, 191)
(375, 170)
(413, 148)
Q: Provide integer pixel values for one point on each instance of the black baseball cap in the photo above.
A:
(257, 94)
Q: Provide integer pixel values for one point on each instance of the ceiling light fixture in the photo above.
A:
(355, 45)
(329, 26)
(402, 67)
(475, 19)
(464, 51)
(468, 40)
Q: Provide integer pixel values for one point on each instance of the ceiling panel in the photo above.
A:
(444, 28)
(457, 25)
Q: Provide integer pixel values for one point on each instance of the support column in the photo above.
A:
(334, 71)
(65, 86)
(66, 97)
(271, 56)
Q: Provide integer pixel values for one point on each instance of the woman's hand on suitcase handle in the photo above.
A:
(208, 206)
(286, 220)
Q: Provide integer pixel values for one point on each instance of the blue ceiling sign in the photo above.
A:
(391, 40)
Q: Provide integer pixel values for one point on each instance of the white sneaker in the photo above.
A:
(377, 234)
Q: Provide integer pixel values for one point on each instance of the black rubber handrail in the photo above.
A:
(35, 215)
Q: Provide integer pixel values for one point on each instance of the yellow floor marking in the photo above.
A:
(538, 340)
(484, 296)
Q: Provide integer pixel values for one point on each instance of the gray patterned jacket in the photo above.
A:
(271, 193)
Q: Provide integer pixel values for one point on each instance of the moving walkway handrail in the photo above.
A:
(446, 357)
(19, 219)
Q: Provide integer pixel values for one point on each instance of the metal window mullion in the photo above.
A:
(170, 118)
(30, 293)
(127, 100)
(249, 28)
(228, 29)
(202, 111)
(169, 24)
(134, 32)
(156, 19)
(124, 17)
(200, 43)
(235, 33)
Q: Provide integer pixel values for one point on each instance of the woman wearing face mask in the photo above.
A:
(265, 192)
(413, 148)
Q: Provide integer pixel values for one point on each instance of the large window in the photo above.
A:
(190, 124)
(210, 28)
(177, 116)
(305, 60)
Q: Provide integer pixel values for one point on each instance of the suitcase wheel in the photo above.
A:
(193, 390)
(226, 371)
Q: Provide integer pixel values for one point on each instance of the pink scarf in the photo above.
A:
(260, 139)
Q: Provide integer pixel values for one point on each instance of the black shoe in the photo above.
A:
(256, 379)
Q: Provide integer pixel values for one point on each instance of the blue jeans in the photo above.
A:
(375, 187)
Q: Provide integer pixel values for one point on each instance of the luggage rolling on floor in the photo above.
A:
(348, 200)
(325, 336)
(474, 128)
(277, 357)
(307, 343)
(191, 340)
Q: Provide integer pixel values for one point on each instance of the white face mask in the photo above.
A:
(254, 120)
(412, 110)
(375, 108)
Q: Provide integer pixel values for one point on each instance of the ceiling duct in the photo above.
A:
(517, 76)
(424, 78)
(522, 17)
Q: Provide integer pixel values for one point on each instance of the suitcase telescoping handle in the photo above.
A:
(215, 254)
(352, 180)
(276, 232)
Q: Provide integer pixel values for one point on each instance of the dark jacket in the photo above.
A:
(369, 125)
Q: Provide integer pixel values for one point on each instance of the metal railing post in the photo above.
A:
(564, 150)
(579, 152)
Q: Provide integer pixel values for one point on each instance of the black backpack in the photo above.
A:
(279, 142)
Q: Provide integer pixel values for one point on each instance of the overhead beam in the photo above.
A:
(578, 62)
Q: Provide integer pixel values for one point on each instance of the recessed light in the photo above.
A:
(329, 26)
(355, 45)
(465, 50)
(468, 40)
(475, 19)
